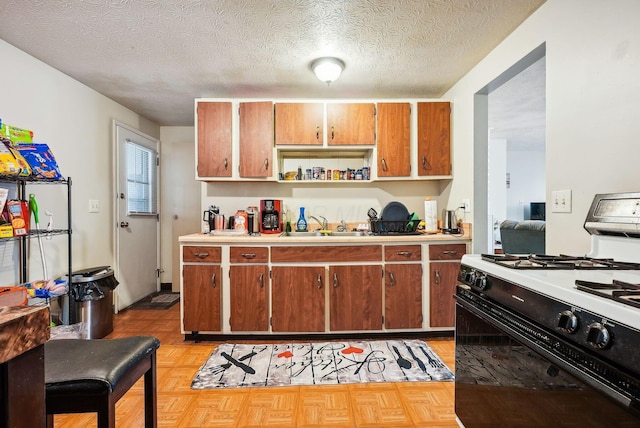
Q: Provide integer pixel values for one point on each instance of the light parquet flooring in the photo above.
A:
(406, 404)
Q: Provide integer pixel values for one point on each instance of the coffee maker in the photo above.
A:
(270, 216)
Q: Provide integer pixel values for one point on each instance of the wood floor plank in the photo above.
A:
(406, 404)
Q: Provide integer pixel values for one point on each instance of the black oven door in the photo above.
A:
(503, 379)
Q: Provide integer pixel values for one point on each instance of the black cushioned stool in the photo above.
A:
(83, 376)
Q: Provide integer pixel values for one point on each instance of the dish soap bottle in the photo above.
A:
(301, 225)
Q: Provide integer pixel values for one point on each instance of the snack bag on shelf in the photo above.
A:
(15, 134)
(8, 163)
(18, 216)
(40, 158)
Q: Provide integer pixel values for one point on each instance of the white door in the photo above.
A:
(137, 244)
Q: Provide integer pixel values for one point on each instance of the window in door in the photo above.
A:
(141, 179)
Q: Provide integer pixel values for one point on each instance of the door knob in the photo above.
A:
(124, 224)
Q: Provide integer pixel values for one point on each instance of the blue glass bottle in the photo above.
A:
(301, 225)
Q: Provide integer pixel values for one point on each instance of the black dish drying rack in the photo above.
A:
(394, 227)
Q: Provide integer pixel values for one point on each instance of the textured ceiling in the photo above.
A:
(156, 56)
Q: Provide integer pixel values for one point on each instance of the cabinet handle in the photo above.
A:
(201, 255)
(249, 255)
(261, 280)
(333, 133)
(384, 165)
(449, 252)
(437, 273)
(213, 280)
(317, 132)
(335, 280)
(405, 253)
(266, 164)
(319, 281)
(392, 278)
(425, 164)
(226, 164)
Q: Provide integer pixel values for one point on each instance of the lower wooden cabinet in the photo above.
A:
(403, 296)
(201, 288)
(298, 299)
(443, 275)
(355, 297)
(248, 295)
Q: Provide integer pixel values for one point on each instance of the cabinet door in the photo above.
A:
(403, 296)
(350, 124)
(201, 297)
(256, 139)
(249, 293)
(394, 140)
(355, 296)
(434, 147)
(297, 299)
(442, 287)
(214, 139)
(298, 123)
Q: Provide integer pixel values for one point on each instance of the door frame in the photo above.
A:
(117, 201)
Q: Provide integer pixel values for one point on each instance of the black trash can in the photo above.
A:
(91, 292)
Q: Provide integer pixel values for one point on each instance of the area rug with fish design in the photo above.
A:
(322, 363)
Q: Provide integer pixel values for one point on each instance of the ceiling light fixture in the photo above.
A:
(327, 69)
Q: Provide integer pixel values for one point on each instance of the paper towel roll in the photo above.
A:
(430, 215)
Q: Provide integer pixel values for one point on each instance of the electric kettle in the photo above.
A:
(449, 222)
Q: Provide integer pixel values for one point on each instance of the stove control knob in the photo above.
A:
(568, 321)
(481, 281)
(471, 277)
(598, 336)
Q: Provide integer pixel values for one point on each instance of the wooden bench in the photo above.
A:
(83, 376)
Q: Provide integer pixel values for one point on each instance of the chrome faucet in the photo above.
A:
(324, 224)
(343, 226)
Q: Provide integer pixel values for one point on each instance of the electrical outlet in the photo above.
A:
(94, 206)
(466, 203)
(561, 201)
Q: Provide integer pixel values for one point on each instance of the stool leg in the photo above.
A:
(150, 399)
(107, 412)
(49, 421)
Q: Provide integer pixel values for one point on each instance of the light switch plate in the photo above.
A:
(94, 206)
(561, 201)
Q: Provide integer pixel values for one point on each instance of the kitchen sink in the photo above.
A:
(317, 233)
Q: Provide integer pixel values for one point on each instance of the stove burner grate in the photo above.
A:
(620, 291)
(543, 261)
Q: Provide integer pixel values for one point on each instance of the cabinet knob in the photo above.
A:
(437, 274)
(425, 164)
(449, 252)
(266, 164)
(201, 255)
(335, 280)
(319, 281)
(384, 164)
(333, 133)
(249, 255)
(405, 253)
(261, 280)
(213, 280)
(226, 164)
(317, 132)
(392, 279)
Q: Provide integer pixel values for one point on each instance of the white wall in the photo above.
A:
(180, 206)
(593, 99)
(76, 122)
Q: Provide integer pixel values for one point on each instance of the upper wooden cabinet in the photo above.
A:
(214, 139)
(299, 123)
(434, 145)
(350, 124)
(394, 140)
(256, 139)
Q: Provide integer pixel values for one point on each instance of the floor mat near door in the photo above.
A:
(320, 363)
(161, 300)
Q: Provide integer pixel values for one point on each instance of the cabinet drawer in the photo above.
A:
(201, 254)
(401, 253)
(249, 254)
(319, 253)
(447, 251)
